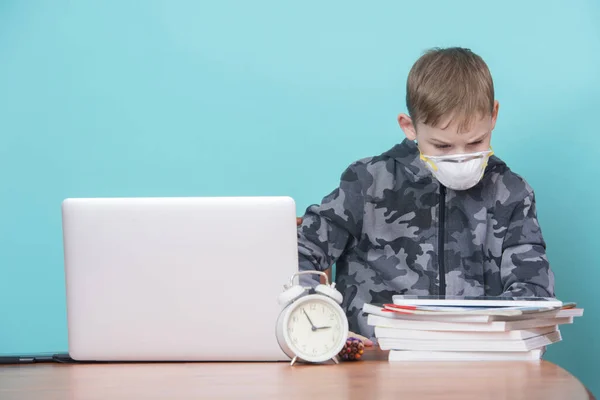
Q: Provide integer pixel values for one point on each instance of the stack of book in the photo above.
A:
(460, 328)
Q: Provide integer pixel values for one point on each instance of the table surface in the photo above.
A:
(371, 378)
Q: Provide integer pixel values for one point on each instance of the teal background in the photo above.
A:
(198, 98)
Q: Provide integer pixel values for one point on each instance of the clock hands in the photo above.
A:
(313, 327)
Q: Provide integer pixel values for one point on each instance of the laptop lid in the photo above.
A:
(177, 279)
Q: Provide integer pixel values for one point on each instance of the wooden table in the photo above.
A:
(372, 378)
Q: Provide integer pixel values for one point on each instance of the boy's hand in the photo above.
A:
(366, 342)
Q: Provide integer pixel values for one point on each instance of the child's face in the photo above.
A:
(445, 139)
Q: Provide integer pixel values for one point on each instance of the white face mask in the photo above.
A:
(458, 171)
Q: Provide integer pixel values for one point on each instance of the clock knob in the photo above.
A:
(329, 291)
(290, 295)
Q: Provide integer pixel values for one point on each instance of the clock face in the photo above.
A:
(317, 328)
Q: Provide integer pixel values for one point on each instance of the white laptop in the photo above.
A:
(177, 279)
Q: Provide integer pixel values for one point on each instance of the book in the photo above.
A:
(392, 314)
(471, 345)
(392, 333)
(468, 329)
(428, 310)
(476, 301)
(506, 311)
(482, 316)
(409, 355)
(558, 313)
(493, 326)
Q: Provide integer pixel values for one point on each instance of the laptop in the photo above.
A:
(177, 279)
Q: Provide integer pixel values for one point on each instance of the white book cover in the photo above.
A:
(376, 310)
(471, 345)
(494, 326)
(561, 313)
(440, 310)
(469, 317)
(476, 301)
(408, 355)
(393, 333)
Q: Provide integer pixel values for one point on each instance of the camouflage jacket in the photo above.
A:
(391, 228)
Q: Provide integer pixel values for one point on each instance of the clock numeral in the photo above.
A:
(313, 307)
(292, 329)
(303, 347)
(314, 351)
(331, 317)
(295, 318)
(295, 340)
(323, 309)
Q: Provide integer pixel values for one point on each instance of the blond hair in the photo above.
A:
(449, 83)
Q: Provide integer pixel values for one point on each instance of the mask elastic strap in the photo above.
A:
(487, 159)
(428, 161)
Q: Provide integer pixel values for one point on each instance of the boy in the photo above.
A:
(437, 214)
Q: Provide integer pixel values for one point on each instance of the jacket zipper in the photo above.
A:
(441, 235)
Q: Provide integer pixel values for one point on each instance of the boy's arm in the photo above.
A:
(525, 270)
(327, 228)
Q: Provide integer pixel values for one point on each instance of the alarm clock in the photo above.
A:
(311, 327)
